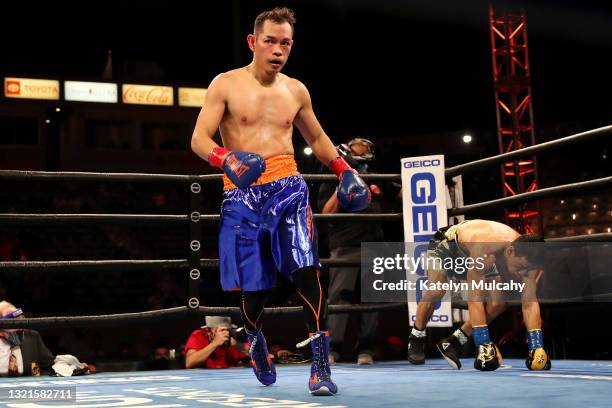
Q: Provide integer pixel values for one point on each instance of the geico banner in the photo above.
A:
(90, 92)
(29, 88)
(193, 97)
(148, 94)
(424, 202)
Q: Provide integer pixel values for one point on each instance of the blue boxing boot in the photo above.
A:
(262, 364)
(320, 382)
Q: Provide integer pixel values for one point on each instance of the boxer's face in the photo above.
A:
(517, 265)
(271, 46)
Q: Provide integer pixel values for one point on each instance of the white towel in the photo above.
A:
(65, 364)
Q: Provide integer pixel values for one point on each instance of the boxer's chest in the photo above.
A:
(273, 106)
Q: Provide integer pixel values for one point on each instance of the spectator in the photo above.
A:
(212, 347)
(22, 352)
(164, 358)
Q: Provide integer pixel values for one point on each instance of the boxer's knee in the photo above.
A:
(433, 295)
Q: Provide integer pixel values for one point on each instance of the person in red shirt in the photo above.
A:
(211, 346)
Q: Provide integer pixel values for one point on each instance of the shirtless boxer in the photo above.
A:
(266, 221)
(499, 245)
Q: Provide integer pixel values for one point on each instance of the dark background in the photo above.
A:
(379, 69)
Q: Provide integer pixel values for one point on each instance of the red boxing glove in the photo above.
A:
(217, 156)
(338, 165)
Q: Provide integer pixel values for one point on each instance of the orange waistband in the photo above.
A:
(277, 167)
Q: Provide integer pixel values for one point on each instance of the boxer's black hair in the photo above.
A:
(277, 15)
(530, 246)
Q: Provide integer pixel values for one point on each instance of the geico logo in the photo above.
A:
(423, 188)
(434, 318)
(423, 191)
(424, 219)
(422, 163)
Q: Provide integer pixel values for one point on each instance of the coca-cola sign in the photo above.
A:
(28, 88)
(148, 94)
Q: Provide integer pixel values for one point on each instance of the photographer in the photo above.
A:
(211, 346)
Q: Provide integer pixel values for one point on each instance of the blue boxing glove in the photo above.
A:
(353, 193)
(242, 168)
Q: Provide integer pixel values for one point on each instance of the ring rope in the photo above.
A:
(527, 151)
(450, 172)
(94, 218)
(70, 219)
(183, 311)
(532, 195)
(133, 265)
(515, 199)
(177, 312)
(29, 175)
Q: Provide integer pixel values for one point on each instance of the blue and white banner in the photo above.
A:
(425, 211)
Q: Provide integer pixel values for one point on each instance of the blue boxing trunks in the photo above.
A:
(266, 227)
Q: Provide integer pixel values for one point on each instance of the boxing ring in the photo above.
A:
(383, 384)
(570, 384)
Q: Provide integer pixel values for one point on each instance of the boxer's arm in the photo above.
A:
(210, 117)
(530, 304)
(537, 357)
(353, 193)
(311, 130)
(483, 262)
(478, 316)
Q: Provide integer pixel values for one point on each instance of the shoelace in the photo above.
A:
(252, 348)
(308, 341)
(319, 359)
(321, 362)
